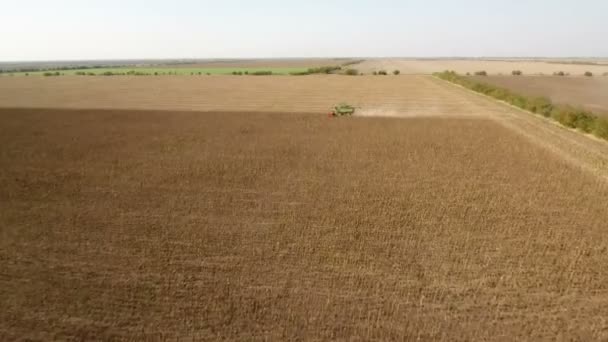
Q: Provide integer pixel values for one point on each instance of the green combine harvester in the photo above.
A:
(343, 109)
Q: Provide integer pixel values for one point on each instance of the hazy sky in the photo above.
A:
(116, 29)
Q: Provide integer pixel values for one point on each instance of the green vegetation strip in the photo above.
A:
(159, 71)
(151, 71)
(568, 116)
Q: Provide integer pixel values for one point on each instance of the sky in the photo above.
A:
(35, 30)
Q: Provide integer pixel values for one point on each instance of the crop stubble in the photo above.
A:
(132, 224)
(408, 95)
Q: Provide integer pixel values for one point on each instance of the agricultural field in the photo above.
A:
(587, 92)
(187, 63)
(159, 68)
(315, 94)
(235, 208)
(494, 67)
(166, 70)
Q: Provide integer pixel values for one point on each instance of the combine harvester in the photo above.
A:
(343, 109)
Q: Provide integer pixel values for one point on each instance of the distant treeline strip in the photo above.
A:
(59, 68)
(568, 116)
(110, 73)
(318, 70)
(328, 70)
(97, 70)
(155, 73)
(118, 72)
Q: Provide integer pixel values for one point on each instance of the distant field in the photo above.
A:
(463, 66)
(186, 63)
(170, 70)
(588, 92)
(204, 67)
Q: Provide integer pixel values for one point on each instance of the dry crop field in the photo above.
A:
(462, 66)
(462, 220)
(284, 66)
(389, 96)
(588, 92)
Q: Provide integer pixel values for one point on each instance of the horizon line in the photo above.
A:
(299, 57)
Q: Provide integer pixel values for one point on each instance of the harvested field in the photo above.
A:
(252, 226)
(588, 92)
(396, 96)
(463, 66)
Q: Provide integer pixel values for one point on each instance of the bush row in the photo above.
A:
(53, 69)
(519, 73)
(561, 73)
(254, 73)
(324, 70)
(128, 73)
(568, 116)
(318, 70)
(384, 72)
(260, 73)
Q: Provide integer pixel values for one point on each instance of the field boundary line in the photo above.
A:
(136, 110)
(540, 119)
(598, 166)
(530, 114)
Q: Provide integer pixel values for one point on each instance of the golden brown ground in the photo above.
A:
(396, 96)
(251, 226)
